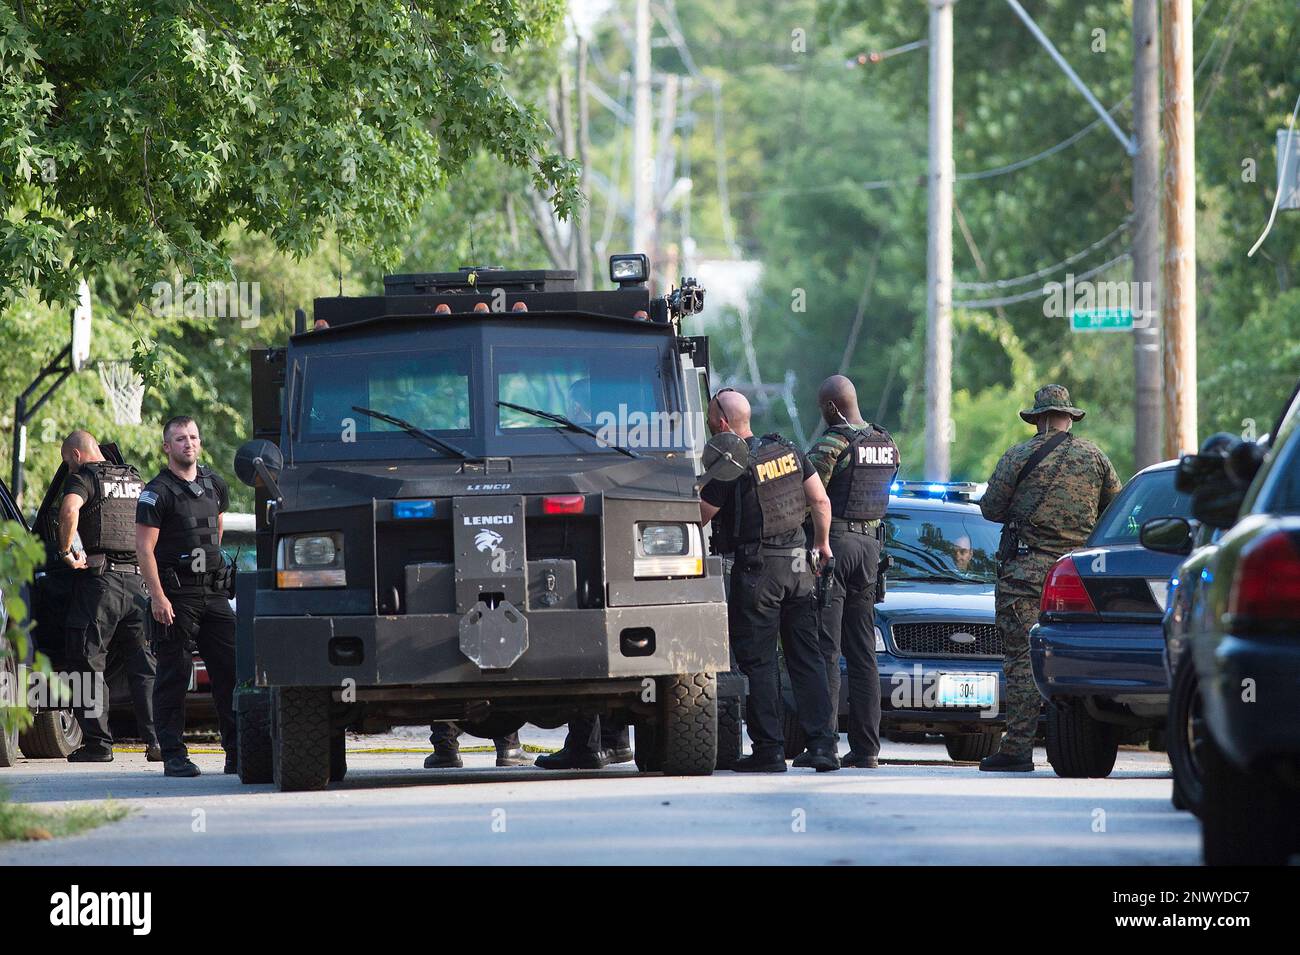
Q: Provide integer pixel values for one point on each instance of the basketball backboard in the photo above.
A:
(81, 328)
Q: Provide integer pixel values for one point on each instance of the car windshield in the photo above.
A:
(1280, 491)
(1147, 496)
(935, 544)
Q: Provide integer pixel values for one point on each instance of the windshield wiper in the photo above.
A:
(567, 425)
(446, 447)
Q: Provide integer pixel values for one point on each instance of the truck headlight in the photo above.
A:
(880, 641)
(310, 560)
(668, 550)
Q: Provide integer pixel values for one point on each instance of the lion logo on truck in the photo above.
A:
(487, 540)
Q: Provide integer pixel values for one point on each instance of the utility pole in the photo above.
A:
(938, 259)
(1178, 296)
(1147, 371)
(643, 164)
(582, 231)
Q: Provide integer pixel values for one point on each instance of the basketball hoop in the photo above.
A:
(124, 390)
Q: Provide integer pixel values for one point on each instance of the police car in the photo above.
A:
(937, 644)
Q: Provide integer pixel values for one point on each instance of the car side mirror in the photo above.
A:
(260, 459)
(725, 457)
(1243, 463)
(1168, 535)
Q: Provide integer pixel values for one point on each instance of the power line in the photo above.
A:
(1046, 270)
(1040, 292)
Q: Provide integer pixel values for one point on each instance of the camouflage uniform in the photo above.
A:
(1054, 509)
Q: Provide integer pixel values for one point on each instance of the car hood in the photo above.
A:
(906, 598)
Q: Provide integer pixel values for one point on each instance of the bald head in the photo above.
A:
(838, 401)
(80, 447)
(729, 411)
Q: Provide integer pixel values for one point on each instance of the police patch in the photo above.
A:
(149, 498)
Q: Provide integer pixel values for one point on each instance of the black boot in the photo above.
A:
(824, 760)
(91, 754)
(180, 766)
(511, 755)
(852, 760)
(759, 763)
(803, 760)
(571, 759)
(153, 753)
(1006, 763)
(444, 756)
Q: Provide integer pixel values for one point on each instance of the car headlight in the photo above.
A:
(310, 560)
(880, 641)
(668, 550)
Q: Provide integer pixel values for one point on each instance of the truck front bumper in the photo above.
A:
(424, 649)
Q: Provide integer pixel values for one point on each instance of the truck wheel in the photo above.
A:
(648, 748)
(729, 731)
(1186, 735)
(1246, 818)
(1079, 746)
(253, 740)
(689, 723)
(338, 757)
(796, 741)
(54, 734)
(9, 736)
(970, 747)
(300, 738)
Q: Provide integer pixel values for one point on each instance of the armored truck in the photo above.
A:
(478, 501)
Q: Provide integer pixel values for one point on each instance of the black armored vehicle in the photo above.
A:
(478, 501)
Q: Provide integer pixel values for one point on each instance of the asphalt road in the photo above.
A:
(918, 808)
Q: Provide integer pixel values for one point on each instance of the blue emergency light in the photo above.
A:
(412, 510)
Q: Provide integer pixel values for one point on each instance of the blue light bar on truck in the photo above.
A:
(947, 491)
(412, 510)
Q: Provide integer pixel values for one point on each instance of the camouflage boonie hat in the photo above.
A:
(1051, 398)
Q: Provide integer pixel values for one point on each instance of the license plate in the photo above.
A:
(975, 690)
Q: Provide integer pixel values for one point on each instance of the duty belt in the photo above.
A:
(855, 527)
(122, 568)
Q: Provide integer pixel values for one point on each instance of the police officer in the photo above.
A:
(759, 519)
(178, 537)
(1048, 493)
(857, 462)
(445, 738)
(107, 612)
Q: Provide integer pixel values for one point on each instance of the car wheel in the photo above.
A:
(54, 734)
(1079, 746)
(689, 723)
(1246, 818)
(730, 731)
(970, 747)
(253, 738)
(9, 732)
(1187, 736)
(300, 738)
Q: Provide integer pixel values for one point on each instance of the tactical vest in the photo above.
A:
(860, 492)
(769, 498)
(107, 523)
(196, 514)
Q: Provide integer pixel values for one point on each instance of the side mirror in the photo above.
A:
(725, 457)
(1169, 535)
(255, 452)
(1243, 463)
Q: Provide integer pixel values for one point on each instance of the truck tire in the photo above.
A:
(338, 757)
(300, 738)
(1246, 818)
(1186, 736)
(54, 734)
(1079, 746)
(253, 740)
(9, 735)
(970, 747)
(730, 741)
(796, 741)
(689, 724)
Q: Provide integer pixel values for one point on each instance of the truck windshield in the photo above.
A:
(430, 389)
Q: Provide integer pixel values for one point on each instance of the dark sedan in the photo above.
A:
(1098, 648)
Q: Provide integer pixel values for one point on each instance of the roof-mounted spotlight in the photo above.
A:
(629, 269)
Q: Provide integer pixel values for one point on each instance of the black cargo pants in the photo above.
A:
(204, 617)
(448, 734)
(772, 596)
(587, 734)
(848, 628)
(108, 615)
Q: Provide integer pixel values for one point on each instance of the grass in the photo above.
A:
(20, 822)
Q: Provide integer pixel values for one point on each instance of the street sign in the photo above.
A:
(1101, 320)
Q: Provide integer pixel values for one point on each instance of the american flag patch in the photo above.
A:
(149, 498)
